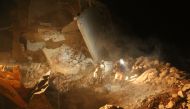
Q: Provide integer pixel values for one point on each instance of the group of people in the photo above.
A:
(119, 70)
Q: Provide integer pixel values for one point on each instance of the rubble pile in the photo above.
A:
(172, 85)
(50, 34)
(175, 98)
(64, 83)
(156, 84)
(151, 84)
(35, 46)
(32, 72)
(110, 107)
(156, 72)
(66, 60)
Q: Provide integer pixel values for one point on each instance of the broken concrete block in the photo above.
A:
(180, 93)
(174, 95)
(183, 105)
(188, 97)
(163, 73)
(35, 46)
(186, 87)
(148, 75)
(110, 107)
(173, 70)
(161, 106)
(188, 105)
(170, 105)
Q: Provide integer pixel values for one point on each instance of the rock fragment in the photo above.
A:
(186, 87)
(170, 105)
(110, 107)
(180, 93)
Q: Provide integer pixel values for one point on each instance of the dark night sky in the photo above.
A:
(146, 18)
(163, 20)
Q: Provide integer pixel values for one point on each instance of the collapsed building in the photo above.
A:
(51, 59)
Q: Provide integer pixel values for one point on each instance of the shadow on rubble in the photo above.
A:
(80, 98)
(6, 103)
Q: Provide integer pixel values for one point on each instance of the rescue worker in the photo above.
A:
(98, 73)
(120, 70)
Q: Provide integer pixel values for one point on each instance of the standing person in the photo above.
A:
(98, 73)
(120, 70)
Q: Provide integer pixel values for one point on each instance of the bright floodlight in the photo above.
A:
(121, 61)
